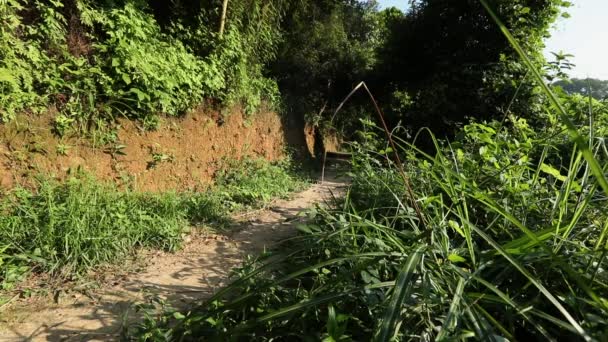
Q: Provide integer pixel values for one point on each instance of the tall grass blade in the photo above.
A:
(389, 136)
(535, 282)
(447, 324)
(313, 302)
(403, 285)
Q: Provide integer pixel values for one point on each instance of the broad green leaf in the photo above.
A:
(548, 169)
(126, 79)
(455, 258)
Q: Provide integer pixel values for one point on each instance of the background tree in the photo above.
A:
(452, 62)
(328, 46)
(597, 88)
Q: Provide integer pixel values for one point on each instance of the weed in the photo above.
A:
(115, 150)
(62, 149)
(151, 123)
(72, 227)
(104, 135)
(158, 158)
(255, 181)
(62, 124)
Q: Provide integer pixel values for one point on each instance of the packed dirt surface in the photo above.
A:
(194, 273)
(182, 154)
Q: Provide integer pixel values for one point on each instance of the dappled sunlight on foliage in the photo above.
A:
(513, 247)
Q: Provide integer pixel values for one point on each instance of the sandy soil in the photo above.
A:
(195, 272)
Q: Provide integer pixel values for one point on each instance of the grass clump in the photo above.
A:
(67, 229)
(254, 182)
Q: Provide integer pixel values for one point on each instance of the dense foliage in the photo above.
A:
(96, 60)
(446, 61)
(329, 46)
(434, 65)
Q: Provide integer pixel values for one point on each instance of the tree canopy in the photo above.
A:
(598, 89)
(435, 65)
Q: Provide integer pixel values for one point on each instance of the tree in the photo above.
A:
(453, 62)
(328, 47)
(598, 89)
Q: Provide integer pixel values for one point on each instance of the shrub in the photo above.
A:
(96, 61)
(147, 71)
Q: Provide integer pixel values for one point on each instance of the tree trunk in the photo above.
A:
(223, 19)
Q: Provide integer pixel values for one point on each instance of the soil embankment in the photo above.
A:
(182, 154)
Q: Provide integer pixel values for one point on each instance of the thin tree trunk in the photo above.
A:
(223, 19)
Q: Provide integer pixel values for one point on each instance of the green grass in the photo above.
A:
(255, 182)
(72, 227)
(67, 229)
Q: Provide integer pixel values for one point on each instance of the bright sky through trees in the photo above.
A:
(393, 3)
(583, 35)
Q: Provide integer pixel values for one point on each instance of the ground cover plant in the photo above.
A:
(67, 229)
(254, 181)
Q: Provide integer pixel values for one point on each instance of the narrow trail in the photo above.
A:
(195, 272)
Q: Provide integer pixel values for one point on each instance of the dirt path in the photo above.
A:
(195, 272)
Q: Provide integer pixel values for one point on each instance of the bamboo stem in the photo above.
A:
(223, 18)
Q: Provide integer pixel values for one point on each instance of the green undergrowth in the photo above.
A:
(96, 61)
(67, 229)
(253, 182)
(512, 247)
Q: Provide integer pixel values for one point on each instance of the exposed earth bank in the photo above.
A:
(182, 154)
